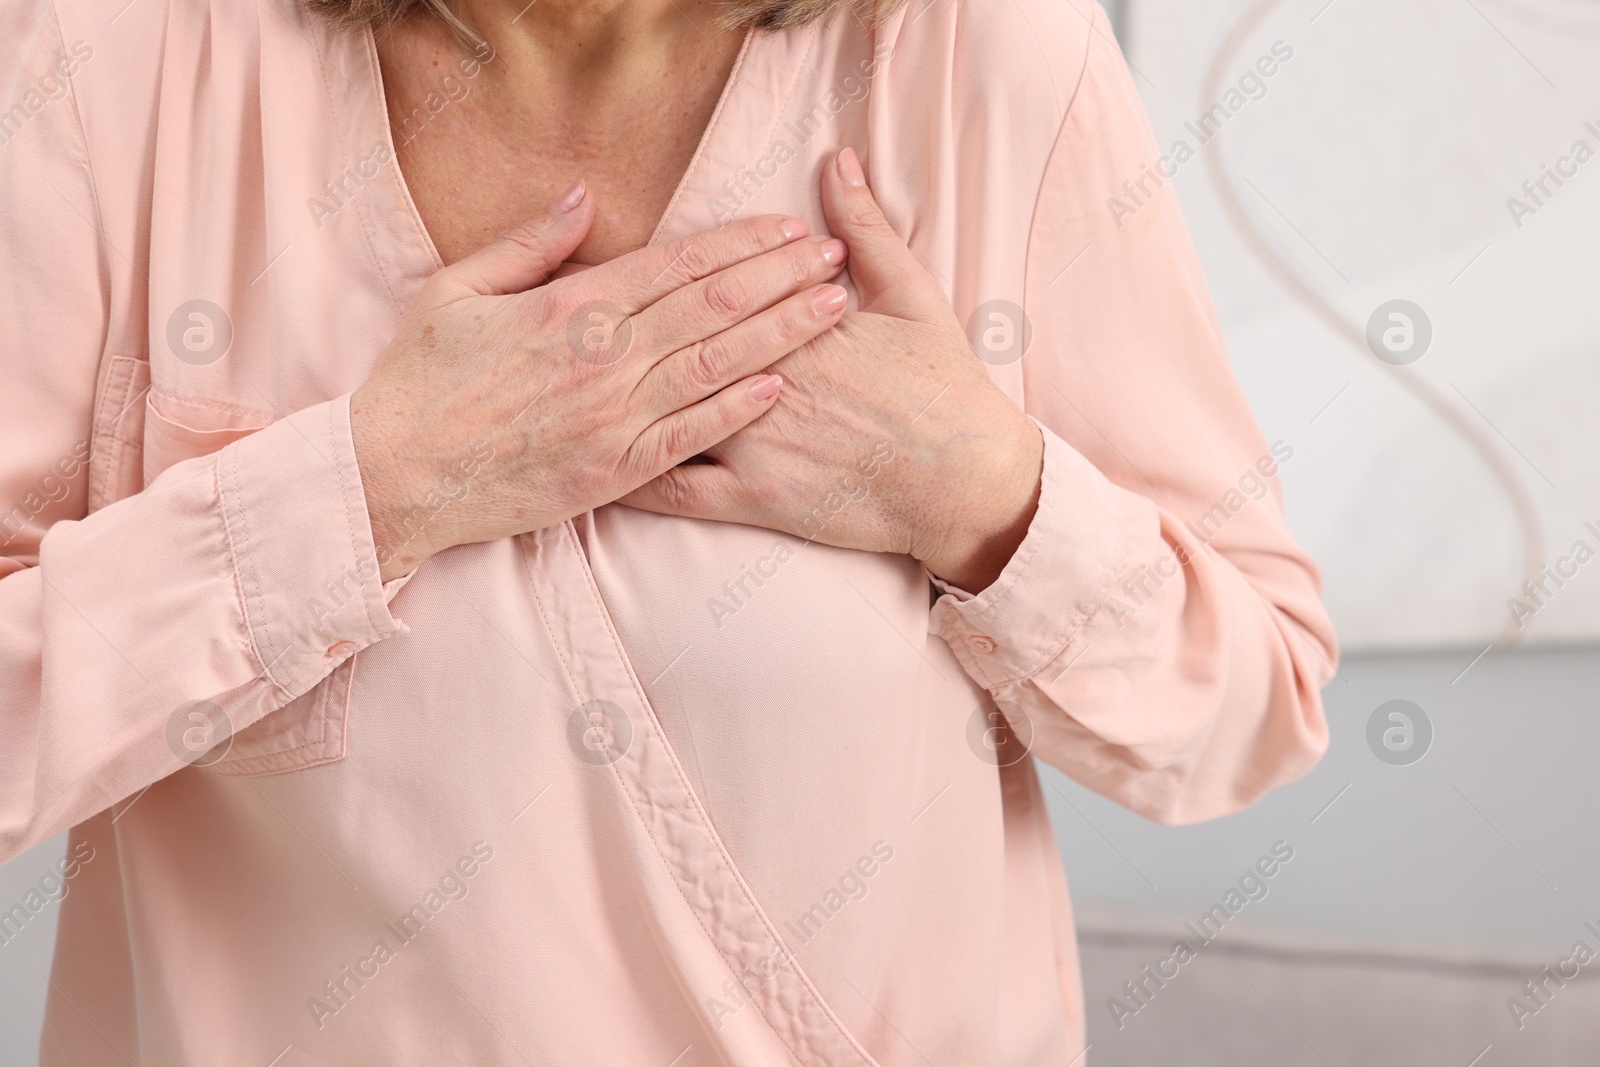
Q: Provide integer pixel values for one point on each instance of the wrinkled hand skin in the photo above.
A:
(483, 419)
(888, 435)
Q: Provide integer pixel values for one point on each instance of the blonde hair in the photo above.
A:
(736, 14)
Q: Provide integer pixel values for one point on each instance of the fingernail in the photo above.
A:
(833, 252)
(828, 299)
(850, 168)
(569, 199)
(765, 388)
(793, 228)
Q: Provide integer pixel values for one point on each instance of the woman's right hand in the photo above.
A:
(506, 404)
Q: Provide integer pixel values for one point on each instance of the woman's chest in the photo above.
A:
(469, 194)
(505, 144)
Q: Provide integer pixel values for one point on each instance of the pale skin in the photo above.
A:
(740, 352)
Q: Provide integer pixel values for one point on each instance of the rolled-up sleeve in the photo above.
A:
(242, 578)
(1159, 635)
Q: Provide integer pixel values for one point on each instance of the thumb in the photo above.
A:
(528, 254)
(889, 276)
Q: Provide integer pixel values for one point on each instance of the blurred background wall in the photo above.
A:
(1380, 168)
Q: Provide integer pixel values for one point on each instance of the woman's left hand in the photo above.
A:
(888, 435)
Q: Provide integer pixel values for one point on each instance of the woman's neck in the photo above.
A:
(615, 93)
(596, 41)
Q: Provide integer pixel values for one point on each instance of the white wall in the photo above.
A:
(1377, 162)
(1403, 858)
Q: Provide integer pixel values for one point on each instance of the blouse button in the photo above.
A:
(341, 648)
(980, 643)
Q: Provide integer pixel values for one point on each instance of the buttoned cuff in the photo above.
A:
(301, 545)
(1059, 577)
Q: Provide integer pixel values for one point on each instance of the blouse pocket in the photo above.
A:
(310, 729)
(117, 444)
(303, 733)
(176, 429)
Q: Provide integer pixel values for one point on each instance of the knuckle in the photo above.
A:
(694, 260)
(867, 216)
(529, 239)
(674, 487)
(804, 263)
(724, 296)
(753, 237)
(750, 237)
(525, 234)
(635, 467)
(677, 441)
(707, 364)
(792, 324)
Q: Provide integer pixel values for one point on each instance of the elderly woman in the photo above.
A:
(554, 532)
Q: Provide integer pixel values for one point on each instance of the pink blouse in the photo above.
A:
(633, 788)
